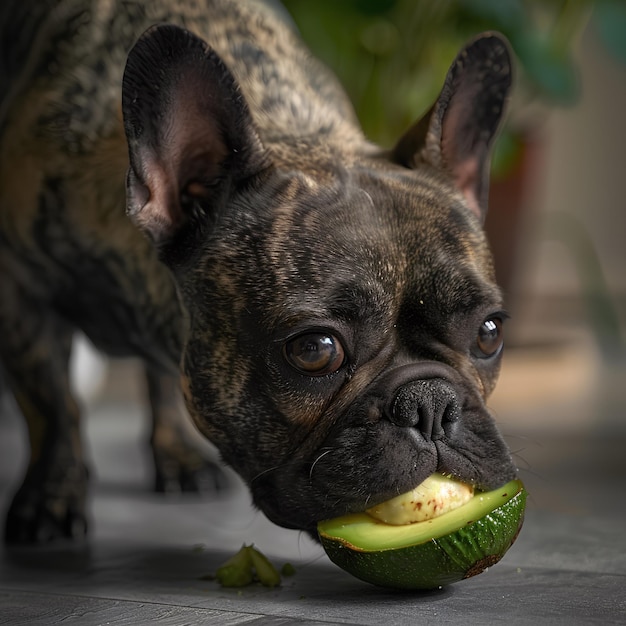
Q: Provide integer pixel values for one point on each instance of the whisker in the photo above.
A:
(534, 473)
(267, 471)
(516, 454)
(525, 438)
(316, 461)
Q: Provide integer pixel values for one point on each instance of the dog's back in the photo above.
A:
(68, 56)
(21, 26)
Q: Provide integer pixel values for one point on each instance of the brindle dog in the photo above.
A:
(330, 305)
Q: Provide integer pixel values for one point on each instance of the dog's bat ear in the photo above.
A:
(457, 133)
(190, 135)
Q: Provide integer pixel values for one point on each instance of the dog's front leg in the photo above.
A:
(180, 463)
(35, 348)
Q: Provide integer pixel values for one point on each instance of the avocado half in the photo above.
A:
(432, 553)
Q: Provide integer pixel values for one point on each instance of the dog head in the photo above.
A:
(344, 325)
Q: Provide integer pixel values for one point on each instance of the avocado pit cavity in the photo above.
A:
(433, 497)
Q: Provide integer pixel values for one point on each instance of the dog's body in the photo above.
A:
(334, 305)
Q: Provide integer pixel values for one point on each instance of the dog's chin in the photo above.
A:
(290, 511)
(300, 507)
(292, 502)
(306, 525)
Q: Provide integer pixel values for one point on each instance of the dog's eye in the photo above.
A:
(315, 354)
(489, 340)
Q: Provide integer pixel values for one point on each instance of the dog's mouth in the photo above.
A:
(431, 498)
(393, 487)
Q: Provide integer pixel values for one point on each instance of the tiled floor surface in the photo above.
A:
(146, 557)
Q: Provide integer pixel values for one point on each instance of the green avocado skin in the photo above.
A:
(438, 562)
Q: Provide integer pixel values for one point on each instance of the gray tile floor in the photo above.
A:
(146, 556)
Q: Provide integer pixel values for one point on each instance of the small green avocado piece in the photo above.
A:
(266, 573)
(237, 571)
(429, 554)
(245, 567)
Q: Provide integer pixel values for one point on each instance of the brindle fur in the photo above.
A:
(295, 222)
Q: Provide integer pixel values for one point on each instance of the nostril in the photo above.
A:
(403, 411)
(452, 412)
(427, 405)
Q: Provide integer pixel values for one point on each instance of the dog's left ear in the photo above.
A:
(190, 136)
(457, 133)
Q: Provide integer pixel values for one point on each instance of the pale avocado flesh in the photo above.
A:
(425, 555)
(363, 532)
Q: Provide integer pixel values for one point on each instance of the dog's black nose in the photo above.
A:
(427, 405)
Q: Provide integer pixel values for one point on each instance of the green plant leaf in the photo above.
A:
(553, 72)
(609, 17)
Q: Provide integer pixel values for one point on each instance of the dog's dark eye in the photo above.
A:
(314, 354)
(489, 340)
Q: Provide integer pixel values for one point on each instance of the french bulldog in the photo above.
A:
(327, 307)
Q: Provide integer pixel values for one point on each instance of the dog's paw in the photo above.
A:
(183, 468)
(47, 512)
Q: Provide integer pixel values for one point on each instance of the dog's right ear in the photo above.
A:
(190, 136)
(457, 134)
